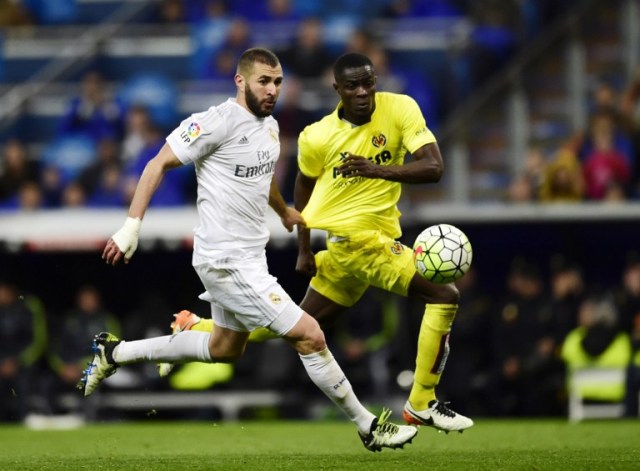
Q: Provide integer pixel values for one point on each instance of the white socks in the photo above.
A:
(179, 348)
(325, 372)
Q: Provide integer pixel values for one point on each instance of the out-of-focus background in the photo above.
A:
(536, 107)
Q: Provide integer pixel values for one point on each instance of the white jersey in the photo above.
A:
(235, 154)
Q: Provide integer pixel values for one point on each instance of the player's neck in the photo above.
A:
(353, 124)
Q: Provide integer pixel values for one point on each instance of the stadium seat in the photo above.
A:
(157, 93)
(596, 393)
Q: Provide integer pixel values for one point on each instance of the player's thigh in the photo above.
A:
(433, 293)
(376, 259)
(322, 308)
(333, 288)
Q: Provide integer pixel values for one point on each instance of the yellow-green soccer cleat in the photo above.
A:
(385, 434)
(184, 320)
(437, 415)
(102, 366)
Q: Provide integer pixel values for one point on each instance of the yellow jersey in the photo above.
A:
(343, 205)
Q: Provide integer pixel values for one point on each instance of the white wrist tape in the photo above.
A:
(127, 236)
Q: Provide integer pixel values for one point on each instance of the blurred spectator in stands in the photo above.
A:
(605, 120)
(361, 40)
(52, 186)
(627, 296)
(16, 170)
(197, 11)
(94, 113)
(598, 341)
(68, 354)
(171, 12)
(174, 190)
(535, 164)
(307, 57)
(222, 65)
(238, 37)
(73, 196)
(293, 114)
(110, 192)
(562, 179)
(215, 62)
(108, 154)
(520, 190)
(630, 112)
(136, 121)
(102, 182)
(30, 197)
(14, 13)
(526, 381)
(604, 163)
(568, 291)
(494, 38)
(470, 362)
(23, 338)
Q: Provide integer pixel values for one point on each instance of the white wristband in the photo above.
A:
(127, 236)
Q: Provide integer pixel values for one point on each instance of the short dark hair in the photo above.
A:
(350, 60)
(256, 54)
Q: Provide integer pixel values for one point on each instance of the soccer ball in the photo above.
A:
(442, 253)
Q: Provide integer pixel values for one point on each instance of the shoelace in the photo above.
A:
(384, 426)
(441, 408)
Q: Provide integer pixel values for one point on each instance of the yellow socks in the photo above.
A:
(205, 325)
(258, 335)
(433, 349)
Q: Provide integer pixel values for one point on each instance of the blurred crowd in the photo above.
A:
(107, 132)
(599, 163)
(512, 354)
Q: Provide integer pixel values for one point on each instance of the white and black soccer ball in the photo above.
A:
(442, 253)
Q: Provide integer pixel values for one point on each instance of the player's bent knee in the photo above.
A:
(451, 294)
(312, 343)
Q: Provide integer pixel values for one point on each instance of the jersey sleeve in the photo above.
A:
(415, 132)
(310, 161)
(197, 136)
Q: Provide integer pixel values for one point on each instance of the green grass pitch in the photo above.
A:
(321, 445)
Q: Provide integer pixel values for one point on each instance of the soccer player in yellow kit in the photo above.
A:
(351, 169)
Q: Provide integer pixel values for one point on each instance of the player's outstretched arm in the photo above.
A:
(124, 242)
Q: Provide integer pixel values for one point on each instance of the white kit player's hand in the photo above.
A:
(127, 237)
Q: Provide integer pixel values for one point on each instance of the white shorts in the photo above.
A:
(245, 296)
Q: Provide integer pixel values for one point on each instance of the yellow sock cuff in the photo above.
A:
(205, 325)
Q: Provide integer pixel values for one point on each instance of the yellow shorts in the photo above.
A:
(353, 263)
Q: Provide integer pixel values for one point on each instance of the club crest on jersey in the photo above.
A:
(379, 141)
(275, 299)
(191, 133)
(274, 135)
(397, 248)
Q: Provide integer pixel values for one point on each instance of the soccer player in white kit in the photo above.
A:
(234, 148)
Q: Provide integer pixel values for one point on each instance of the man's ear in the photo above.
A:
(239, 80)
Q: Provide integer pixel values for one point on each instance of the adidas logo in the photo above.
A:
(243, 140)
